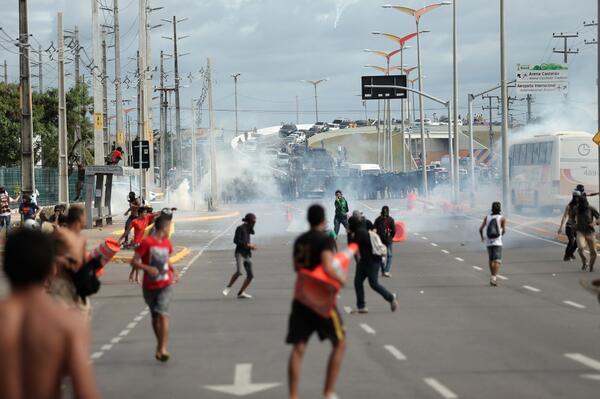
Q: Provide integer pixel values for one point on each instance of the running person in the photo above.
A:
(5, 201)
(586, 217)
(311, 249)
(243, 255)
(152, 256)
(386, 230)
(133, 211)
(495, 227)
(569, 216)
(341, 213)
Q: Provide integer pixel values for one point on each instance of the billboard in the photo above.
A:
(374, 93)
(542, 78)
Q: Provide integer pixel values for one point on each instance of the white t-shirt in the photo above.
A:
(489, 242)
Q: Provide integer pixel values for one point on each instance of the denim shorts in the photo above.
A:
(158, 300)
(495, 253)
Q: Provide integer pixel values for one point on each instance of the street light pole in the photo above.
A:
(315, 83)
(504, 95)
(455, 104)
(421, 114)
(235, 80)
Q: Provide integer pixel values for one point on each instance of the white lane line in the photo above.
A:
(574, 304)
(501, 277)
(532, 289)
(96, 355)
(131, 325)
(444, 251)
(138, 318)
(433, 244)
(440, 388)
(395, 352)
(477, 268)
(106, 347)
(459, 259)
(347, 309)
(144, 312)
(424, 238)
(368, 329)
(526, 234)
(124, 333)
(587, 361)
(417, 234)
(115, 340)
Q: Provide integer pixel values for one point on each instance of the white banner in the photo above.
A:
(542, 78)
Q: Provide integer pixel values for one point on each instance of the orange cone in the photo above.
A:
(400, 232)
(104, 253)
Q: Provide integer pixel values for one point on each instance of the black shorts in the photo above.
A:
(303, 322)
(495, 253)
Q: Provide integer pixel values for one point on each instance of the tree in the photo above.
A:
(10, 125)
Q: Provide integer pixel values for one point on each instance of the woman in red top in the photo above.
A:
(152, 256)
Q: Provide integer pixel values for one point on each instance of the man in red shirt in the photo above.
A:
(139, 225)
(152, 256)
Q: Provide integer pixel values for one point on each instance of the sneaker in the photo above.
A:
(394, 303)
(361, 310)
(386, 274)
(226, 291)
(573, 257)
(332, 396)
(566, 258)
(493, 282)
(584, 267)
(243, 295)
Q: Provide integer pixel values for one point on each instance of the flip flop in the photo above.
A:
(163, 357)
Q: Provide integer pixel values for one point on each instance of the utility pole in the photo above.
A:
(27, 155)
(456, 130)
(596, 41)
(490, 108)
(63, 172)
(142, 95)
(297, 112)
(177, 104)
(235, 80)
(5, 73)
(194, 166)
(566, 49)
(105, 96)
(40, 71)
(214, 190)
(163, 123)
(77, 57)
(529, 99)
(120, 134)
(504, 97)
(97, 74)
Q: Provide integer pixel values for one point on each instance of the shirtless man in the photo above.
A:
(41, 342)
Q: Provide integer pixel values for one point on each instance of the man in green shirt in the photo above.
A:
(341, 213)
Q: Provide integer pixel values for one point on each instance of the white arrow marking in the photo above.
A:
(242, 382)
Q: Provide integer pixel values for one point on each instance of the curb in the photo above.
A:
(181, 253)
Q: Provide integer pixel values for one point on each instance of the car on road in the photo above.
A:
(322, 126)
(283, 160)
(287, 129)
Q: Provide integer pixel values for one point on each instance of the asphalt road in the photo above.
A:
(534, 336)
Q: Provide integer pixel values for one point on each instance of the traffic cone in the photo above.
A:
(400, 232)
(104, 252)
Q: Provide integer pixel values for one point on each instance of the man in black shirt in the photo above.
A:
(243, 255)
(368, 268)
(386, 230)
(312, 249)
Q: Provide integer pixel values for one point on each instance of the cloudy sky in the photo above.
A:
(275, 44)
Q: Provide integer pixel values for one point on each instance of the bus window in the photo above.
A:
(516, 152)
(535, 157)
(549, 153)
(543, 149)
(523, 158)
(529, 154)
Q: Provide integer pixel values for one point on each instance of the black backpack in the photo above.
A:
(85, 279)
(493, 230)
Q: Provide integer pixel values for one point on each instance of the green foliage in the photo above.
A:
(45, 124)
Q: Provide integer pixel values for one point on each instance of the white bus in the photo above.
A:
(546, 168)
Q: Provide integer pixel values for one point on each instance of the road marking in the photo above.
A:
(574, 304)
(501, 277)
(347, 309)
(124, 333)
(433, 244)
(595, 377)
(526, 234)
(368, 329)
(138, 318)
(417, 234)
(395, 352)
(144, 312)
(131, 325)
(440, 388)
(115, 340)
(97, 355)
(459, 259)
(477, 268)
(424, 238)
(444, 251)
(587, 361)
(242, 382)
(106, 347)
(532, 289)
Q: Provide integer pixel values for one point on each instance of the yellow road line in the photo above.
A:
(181, 253)
(192, 219)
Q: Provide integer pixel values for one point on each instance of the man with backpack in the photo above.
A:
(494, 225)
(386, 230)
(586, 217)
